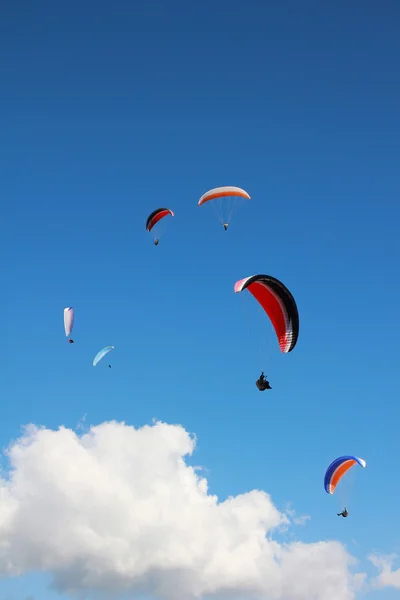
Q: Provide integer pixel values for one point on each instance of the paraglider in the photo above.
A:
(336, 470)
(154, 218)
(281, 308)
(224, 201)
(262, 383)
(69, 322)
(101, 354)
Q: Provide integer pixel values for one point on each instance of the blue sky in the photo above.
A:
(110, 110)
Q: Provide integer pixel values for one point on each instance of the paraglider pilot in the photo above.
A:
(71, 342)
(156, 241)
(344, 513)
(262, 383)
(225, 226)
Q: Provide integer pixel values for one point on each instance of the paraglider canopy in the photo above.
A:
(68, 321)
(156, 216)
(279, 305)
(101, 354)
(223, 192)
(338, 468)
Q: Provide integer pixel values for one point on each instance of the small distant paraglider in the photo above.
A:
(69, 322)
(154, 218)
(224, 201)
(336, 470)
(102, 354)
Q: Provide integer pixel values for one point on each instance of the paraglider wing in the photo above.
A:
(338, 468)
(221, 192)
(279, 305)
(156, 216)
(101, 354)
(68, 320)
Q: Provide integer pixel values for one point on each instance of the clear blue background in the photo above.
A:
(111, 109)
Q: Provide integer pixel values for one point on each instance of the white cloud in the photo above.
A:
(387, 577)
(117, 508)
(300, 520)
